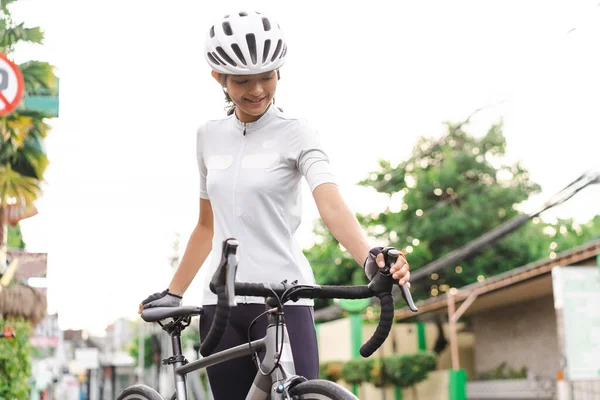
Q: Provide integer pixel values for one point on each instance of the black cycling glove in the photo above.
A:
(370, 265)
(162, 299)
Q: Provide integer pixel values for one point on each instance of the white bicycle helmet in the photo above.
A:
(245, 43)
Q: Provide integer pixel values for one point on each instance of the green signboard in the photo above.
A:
(577, 294)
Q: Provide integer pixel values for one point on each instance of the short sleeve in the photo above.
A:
(201, 164)
(309, 156)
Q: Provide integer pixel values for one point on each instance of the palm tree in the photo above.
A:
(22, 155)
(23, 162)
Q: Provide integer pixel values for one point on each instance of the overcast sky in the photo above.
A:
(369, 76)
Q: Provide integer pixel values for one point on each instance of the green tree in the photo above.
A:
(450, 191)
(331, 264)
(15, 366)
(23, 160)
(15, 238)
(567, 233)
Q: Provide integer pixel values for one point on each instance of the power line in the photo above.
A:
(451, 259)
(489, 238)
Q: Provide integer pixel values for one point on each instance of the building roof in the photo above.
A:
(530, 278)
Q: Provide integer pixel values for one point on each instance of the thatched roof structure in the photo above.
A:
(23, 301)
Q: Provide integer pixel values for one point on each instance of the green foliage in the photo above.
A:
(150, 346)
(356, 371)
(331, 370)
(331, 264)
(12, 33)
(501, 372)
(566, 233)
(15, 363)
(190, 336)
(39, 78)
(15, 238)
(21, 143)
(377, 375)
(450, 191)
(408, 370)
(397, 370)
(13, 184)
(23, 158)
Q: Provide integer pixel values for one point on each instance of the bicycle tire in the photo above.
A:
(139, 392)
(320, 389)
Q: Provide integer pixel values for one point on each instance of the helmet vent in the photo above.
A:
(277, 50)
(227, 29)
(266, 24)
(212, 59)
(238, 53)
(283, 52)
(216, 57)
(266, 50)
(212, 31)
(225, 56)
(243, 14)
(251, 41)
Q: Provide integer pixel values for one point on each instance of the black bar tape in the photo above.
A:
(383, 328)
(345, 292)
(253, 289)
(386, 317)
(219, 324)
(322, 292)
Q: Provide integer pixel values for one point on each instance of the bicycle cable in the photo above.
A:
(255, 353)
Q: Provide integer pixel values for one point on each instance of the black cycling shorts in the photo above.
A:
(231, 380)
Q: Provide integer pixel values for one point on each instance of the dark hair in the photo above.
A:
(229, 104)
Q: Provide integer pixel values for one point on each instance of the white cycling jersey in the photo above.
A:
(251, 173)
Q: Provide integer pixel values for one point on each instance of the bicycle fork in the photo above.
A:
(278, 360)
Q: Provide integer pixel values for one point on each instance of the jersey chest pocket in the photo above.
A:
(219, 162)
(260, 161)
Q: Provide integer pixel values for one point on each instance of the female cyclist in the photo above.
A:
(251, 164)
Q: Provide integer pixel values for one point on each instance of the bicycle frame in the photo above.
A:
(281, 377)
(282, 366)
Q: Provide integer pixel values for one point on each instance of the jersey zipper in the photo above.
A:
(235, 179)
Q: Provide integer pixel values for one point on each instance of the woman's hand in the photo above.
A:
(400, 271)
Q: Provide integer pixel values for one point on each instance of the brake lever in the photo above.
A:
(232, 264)
(390, 256)
(226, 271)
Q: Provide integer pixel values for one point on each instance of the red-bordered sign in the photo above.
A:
(11, 85)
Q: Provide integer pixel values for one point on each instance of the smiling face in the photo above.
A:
(251, 94)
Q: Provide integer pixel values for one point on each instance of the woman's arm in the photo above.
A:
(344, 226)
(196, 251)
(340, 221)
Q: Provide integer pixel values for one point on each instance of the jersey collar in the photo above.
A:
(259, 123)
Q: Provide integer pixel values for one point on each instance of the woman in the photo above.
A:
(251, 164)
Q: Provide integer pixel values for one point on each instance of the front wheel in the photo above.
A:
(139, 392)
(319, 389)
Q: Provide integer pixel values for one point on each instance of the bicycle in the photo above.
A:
(276, 377)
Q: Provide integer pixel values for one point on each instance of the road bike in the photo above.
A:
(276, 377)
